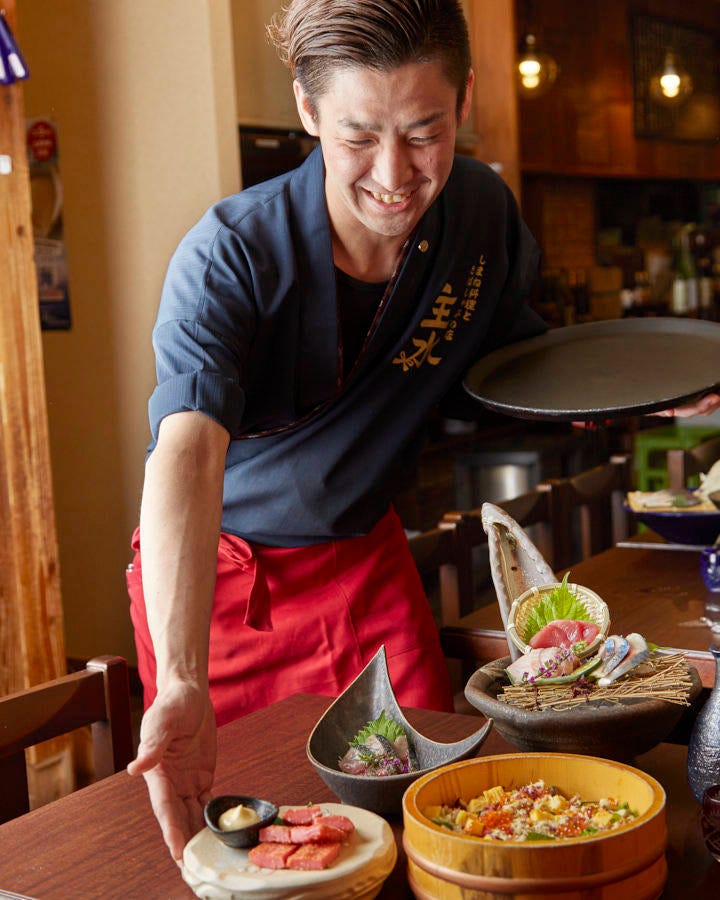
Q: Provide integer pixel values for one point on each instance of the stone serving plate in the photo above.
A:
(619, 731)
(368, 695)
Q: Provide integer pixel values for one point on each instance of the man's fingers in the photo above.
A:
(149, 755)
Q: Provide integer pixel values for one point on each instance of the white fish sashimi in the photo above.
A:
(530, 663)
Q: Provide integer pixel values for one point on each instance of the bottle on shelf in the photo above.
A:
(581, 295)
(641, 289)
(705, 288)
(685, 283)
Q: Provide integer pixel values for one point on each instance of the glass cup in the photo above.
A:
(710, 568)
(710, 820)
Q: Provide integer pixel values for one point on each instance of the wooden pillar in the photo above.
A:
(31, 622)
(495, 105)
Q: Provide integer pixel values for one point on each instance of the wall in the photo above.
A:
(143, 95)
(584, 124)
(264, 84)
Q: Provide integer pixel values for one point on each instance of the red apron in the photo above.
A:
(309, 619)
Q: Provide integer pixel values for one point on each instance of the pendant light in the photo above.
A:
(535, 71)
(672, 85)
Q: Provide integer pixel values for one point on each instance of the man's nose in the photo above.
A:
(393, 167)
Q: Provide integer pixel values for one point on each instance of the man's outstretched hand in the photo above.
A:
(178, 739)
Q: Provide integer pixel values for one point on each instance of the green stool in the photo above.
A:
(650, 448)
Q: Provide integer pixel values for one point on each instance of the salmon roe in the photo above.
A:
(495, 820)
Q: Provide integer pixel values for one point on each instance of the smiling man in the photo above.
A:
(307, 328)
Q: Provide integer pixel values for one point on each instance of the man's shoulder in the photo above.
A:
(260, 206)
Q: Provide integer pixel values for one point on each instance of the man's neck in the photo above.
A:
(367, 261)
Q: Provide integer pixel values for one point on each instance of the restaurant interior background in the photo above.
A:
(147, 99)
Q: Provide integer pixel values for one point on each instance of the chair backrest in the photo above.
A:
(598, 495)
(682, 465)
(436, 554)
(450, 550)
(98, 696)
(531, 510)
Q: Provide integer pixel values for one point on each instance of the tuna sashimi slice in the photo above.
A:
(341, 822)
(564, 633)
(277, 834)
(271, 856)
(313, 856)
(303, 815)
(317, 833)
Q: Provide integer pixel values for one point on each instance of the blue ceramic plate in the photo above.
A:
(682, 526)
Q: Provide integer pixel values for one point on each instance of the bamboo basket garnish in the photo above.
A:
(667, 679)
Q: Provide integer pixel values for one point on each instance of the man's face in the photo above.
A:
(388, 141)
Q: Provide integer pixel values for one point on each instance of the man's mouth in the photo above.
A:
(390, 198)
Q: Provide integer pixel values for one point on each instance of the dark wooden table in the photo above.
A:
(656, 592)
(103, 841)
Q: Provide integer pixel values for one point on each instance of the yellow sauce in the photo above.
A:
(237, 817)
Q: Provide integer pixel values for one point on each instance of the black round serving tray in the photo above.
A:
(601, 370)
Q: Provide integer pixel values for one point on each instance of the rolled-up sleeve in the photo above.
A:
(203, 331)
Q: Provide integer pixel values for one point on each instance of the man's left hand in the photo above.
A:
(702, 407)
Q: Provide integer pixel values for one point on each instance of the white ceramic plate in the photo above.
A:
(214, 870)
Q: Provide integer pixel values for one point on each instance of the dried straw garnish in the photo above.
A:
(668, 679)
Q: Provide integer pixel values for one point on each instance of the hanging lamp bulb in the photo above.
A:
(672, 85)
(535, 71)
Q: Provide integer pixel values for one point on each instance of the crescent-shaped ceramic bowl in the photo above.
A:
(363, 700)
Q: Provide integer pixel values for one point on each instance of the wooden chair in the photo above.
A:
(451, 552)
(594, 498)
(597, 496)
(682, 465)
(97, 696)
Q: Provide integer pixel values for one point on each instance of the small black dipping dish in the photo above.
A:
(239, 837)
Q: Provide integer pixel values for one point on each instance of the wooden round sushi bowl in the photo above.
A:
(627, 863)
(619, 731)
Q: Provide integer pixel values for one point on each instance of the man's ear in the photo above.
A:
(305, 109)
(467, 99)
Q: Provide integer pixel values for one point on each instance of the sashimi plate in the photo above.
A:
(619, 731)
(214, 870)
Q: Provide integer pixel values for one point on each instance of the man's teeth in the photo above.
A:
(390, 198)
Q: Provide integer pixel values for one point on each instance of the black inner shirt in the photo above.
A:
(358, 302)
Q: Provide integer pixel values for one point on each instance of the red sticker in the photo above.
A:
(42, 140)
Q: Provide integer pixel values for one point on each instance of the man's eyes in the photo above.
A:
(417, 140)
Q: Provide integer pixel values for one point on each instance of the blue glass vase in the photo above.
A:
(703, 759)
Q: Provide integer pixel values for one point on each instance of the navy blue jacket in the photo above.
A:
(247, 333)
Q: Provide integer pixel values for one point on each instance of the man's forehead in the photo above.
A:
(360, 97)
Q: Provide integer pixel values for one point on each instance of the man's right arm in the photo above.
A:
(179, 532)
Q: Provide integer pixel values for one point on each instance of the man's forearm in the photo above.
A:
(179, 530)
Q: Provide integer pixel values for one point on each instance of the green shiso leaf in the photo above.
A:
(537, 836)
(384, 725)
(560, 603)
